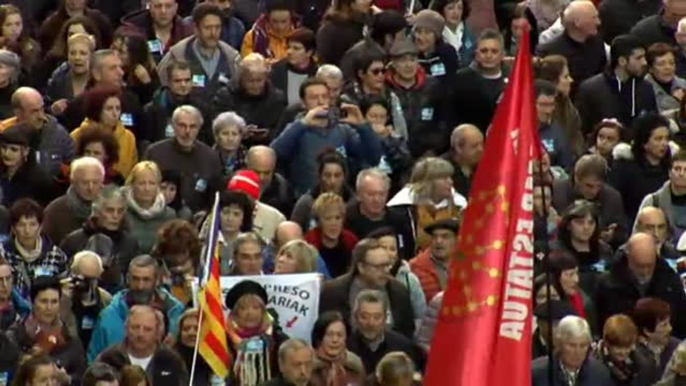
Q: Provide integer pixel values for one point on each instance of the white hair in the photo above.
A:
(85, 162)
(85, 255)
(329, 71)
(228, 119)
(373, 173)
(188, 109)
(571, 327)
(682, 24)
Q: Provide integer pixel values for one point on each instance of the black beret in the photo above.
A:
(245, 287)
(559, 309)
(449, 224)
(19, 134)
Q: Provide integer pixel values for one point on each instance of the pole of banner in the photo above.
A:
(211, 246)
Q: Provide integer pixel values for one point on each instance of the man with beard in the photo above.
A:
(640, 274)
(431, 265)
(620, 92)
(141, 347)
(143, 281)
(371, 267)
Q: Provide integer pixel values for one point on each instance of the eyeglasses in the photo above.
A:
(378, 71)
(383, 266)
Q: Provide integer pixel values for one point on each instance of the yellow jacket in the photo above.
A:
(278, 45)
(128, 153)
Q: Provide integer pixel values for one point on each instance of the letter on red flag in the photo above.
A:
(483, 334)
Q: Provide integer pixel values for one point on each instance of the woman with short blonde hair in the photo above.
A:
(296, 256)
(147, 208)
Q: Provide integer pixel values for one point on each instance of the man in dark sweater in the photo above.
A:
(476, 88)
(620, 92)
(661, 27)
(466, 148)
(198, 165)
(619, 16)
(579, 43)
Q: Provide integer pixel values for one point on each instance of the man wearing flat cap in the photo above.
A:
(431, 265)
(547, 317)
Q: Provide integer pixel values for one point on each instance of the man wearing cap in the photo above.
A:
(199, 166)
(620, 92)
(267, 218)
(547, 317)
(53, 144)
(431, 265)
(419, 97)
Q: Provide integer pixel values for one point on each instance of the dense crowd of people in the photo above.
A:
(341, 139)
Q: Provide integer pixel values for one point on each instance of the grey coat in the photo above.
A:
(593, 373)
(144, 230)
(666, 103)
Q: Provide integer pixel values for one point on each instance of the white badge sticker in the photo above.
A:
(198, 81)
(438, 69)
(126, 119)
(155, 46)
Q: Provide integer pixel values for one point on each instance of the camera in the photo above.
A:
(80, 283)
(178, 279)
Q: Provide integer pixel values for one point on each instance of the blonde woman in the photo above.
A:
(70, 80)
(428, 197)
(334, 243)
(147, 208)
(675, 374)
(395, 369)
(296, 256)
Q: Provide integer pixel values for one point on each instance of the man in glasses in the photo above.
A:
(431, 265)
(371, 266)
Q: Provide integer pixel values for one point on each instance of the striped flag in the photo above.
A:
(213, 345)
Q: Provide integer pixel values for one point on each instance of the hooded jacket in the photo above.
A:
(265, 41)
(109, 329)
(676, 215)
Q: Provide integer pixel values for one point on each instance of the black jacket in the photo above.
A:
(395, 218)
(619, 16)
(584, 59)
(634, 180)
(166, 367)
(335, 297)
(653, 30)
(159, 111)
(336, 36)
(392, 342)
(618, 292)
(262, 111)
(475, 98)
(30, 181)
(279, 195)
(602, 96)
(279, 74)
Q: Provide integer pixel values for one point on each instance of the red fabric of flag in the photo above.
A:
(483, 334)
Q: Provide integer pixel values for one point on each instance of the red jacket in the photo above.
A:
(422, 266)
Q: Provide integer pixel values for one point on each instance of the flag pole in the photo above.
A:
(206, 272)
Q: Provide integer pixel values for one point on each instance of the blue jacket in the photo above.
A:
(556, 144)
(21, 305)
(109, 329)
(298, 146)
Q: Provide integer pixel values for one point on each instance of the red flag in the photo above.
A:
(483, 334)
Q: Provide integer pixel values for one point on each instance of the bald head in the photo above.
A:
(28, 107)
(641, 256)
(287, 231)
(652, 221)
(262, 160)
(581, 20)
(467, 142)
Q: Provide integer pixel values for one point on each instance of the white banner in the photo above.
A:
(295, 298)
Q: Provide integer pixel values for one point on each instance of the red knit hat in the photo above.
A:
(246, 181)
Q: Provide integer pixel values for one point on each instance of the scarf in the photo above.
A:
(146, 214)
(577, 304)
(8, 315)
(623, 371)
(48, 338)
(78, 208)
(253, 346)
(334, 368)
(29, 255)
(569, 376)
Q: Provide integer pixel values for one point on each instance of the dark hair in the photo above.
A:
(241, 200)
(94, 133)
(490, 34)
(176, 65)
(374, 100)
(139, 54)
(610, 123)
(359, 253)
(96, 98)
(304, 36)
(277, 5)
(322, 324)
(385, 231)
(27, 370)
(439, 6)
(59, 47)
(134, 375)
(550, 68)
(44, 283)
(387, 22)
(202, 10)
(544, 87)
(680, 156)
(309, 82)
(642, 128)
(99, 372)
(365, 60)
(657, 50)
(340, 10)
(623, 46)
(9, 9)
(331, 156)
(541, 281)
(174, 177)
(580, 209)
(25, 207)
(648, 312)
(176, 237)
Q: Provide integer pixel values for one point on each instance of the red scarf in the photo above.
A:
(577, 304)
